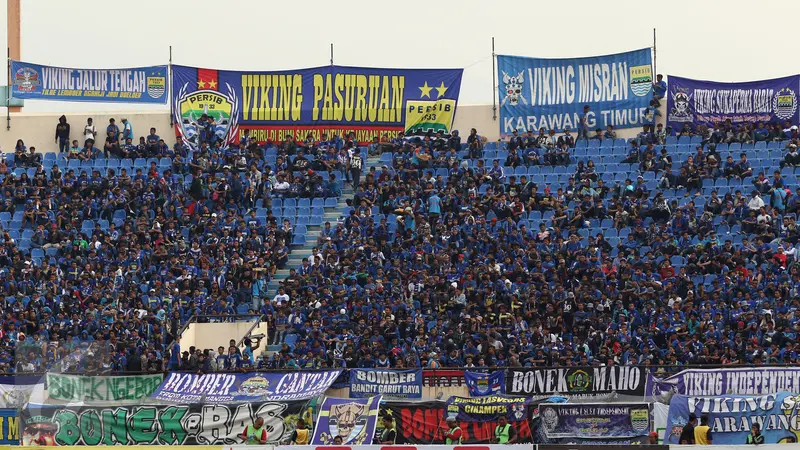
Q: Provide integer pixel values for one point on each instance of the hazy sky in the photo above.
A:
(731, 40)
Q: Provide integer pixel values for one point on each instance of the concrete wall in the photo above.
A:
(213, 335)
(38, 129)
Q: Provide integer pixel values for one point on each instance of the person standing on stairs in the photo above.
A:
(356, 166)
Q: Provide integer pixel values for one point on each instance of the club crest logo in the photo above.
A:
(785, 104)
(346, 421)
(641, 80)
(681, 108)
(579, 381)
(550, 417)
(254, 386)
(640, 420)
(481, 384)
(222, 107)
(156, 86)
(513, 90)
(518, 410)
(27, 79)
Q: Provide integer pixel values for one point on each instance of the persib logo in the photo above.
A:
(641, 80)
(222, 108)
(785, 104)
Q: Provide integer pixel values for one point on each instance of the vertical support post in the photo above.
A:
(494, 83)
(331, 53)
(655, 54)
(169, 90)
(8, 92)
(14, 39)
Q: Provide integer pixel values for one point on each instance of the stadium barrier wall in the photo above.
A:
(437, 447)
(38, 129)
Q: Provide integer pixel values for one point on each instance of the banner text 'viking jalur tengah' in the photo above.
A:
(324, 100)
(130, 85)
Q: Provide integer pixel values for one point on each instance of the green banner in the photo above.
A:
(78, 388)
(159, 424)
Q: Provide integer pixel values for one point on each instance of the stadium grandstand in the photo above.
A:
(347, 256)
(421, 251)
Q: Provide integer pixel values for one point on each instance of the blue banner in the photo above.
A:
(487, 409)
(734, 381)
(353, 420)
(699, 102)
(244, 387)
(595, 421)
(9, 427)
(212, 104)
(731, 417)
(552, 93)
(132, 85)
(394, 384)
(480, 384)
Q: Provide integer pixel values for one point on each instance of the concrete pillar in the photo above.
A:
(14, 38)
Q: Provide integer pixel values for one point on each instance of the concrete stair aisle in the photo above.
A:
(332, 215)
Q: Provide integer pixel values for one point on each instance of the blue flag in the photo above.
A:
(481, 384)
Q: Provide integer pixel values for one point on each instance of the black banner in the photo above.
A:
(158, 424)
(423, 423)
(595, 446)
(624, 380)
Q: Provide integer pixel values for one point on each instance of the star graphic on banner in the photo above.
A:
(201, 84)
(426, 90)
(212, 84)
(441, 90)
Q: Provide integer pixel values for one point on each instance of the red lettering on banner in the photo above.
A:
(426, 425)
(423, 425)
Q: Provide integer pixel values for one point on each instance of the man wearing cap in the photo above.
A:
(453, 433)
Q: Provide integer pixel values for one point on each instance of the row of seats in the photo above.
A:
(23, 239)
(606, 168)
(670, 141)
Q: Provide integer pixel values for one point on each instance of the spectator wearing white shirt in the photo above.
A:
(89, 131)
(756, 202)
(281, 297)
(281, 185)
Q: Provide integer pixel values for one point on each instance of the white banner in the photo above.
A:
(16, 396)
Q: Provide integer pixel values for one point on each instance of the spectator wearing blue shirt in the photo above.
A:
(151, 142)
(127, 130)
(175, 355)
(112, 129)
(659, 89)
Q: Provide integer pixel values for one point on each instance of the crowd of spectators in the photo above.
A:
(663, 257)
(105, 255)
(455, 252)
